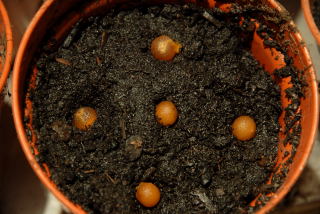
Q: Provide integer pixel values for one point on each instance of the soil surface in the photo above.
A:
(316, 12)
(199, 166)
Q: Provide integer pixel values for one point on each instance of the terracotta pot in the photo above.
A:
(6, 47)
(306, 7)
(61, 15)
(20, 13)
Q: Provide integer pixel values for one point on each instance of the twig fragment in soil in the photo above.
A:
(89, 171)
(63, 61)
(84, 150)
(103, 39)
(123, 129)
(67, 42)
(110, 178)
(211, 19)
(148, 173)
(98, 60)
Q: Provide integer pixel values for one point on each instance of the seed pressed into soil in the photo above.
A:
(198, 165)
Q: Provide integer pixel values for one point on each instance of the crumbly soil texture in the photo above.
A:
(199, 166)
(316, 12)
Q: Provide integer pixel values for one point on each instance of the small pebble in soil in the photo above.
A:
(148, 194)
(84, 118)
(244, 128)
(166, 113)
(164, 48)
(201, 194)
(133, 148)
(205, 178)
(62, 129)
(219, 192)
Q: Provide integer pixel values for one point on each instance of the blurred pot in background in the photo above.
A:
(20, 14)
(6, 46)
(307, 7)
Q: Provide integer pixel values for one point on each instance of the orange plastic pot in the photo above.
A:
(306, 7)
(6, 47)
(60, 15)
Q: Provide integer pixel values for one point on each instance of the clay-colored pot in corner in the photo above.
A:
(61, 15)
(307, 11)
(6, 47)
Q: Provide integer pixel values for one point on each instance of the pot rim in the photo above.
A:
(18, 114)
(18, 120)
(288, 184)
(307, 12)
(9, 47)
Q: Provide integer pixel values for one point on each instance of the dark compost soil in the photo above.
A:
(105, 63)
(316, 12)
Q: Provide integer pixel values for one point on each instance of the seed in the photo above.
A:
(84, 118)
(166, 113)
(244, 128)
(148, 194)
(164, 48)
